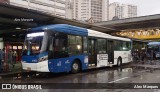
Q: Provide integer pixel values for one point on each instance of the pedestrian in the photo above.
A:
(1, 58)
(137, 55)
(10, 58)
(134, 55)
(148, 54)
(151, 56)
(14, 56)
(143, 55)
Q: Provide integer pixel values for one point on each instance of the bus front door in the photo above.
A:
(92, 52)
(110, 52)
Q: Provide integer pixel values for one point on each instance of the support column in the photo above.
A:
(1, 43)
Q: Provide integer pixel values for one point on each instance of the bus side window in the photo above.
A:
(60, 46)
(74, 45)
(101, 46)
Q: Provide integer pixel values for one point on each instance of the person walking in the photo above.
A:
(3, 60)
(143, 55)
(151, 57)
(134, 55)
(10, 58)
(14, 56)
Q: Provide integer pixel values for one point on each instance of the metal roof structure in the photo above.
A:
(11, 17)
(143, 27)
(142, 22)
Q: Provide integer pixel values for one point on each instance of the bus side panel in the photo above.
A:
(58, 65)
(64, 64)
(125, 55)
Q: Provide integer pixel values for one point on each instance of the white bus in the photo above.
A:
(65, 48)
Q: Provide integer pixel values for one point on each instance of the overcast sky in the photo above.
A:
(144, 7)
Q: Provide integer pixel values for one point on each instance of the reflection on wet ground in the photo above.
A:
(89, 76)
(124, 74)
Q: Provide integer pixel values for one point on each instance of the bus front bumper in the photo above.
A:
(39, 67)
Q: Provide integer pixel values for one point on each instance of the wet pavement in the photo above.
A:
(124, 74)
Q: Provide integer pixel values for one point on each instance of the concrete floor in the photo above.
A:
(124, 74)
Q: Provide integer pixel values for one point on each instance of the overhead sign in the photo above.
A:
(91, 20)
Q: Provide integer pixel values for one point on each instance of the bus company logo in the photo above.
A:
(67, 62)
(59, 63)
(6, 86)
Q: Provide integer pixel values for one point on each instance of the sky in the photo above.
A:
(144, 7)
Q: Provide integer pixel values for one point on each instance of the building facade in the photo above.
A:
(117, 11)
(54, 7)
(69, 10)
(114, 10)
(85, 9)
(129, 11)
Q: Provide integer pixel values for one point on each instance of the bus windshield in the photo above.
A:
(35, 43)
(152, 47)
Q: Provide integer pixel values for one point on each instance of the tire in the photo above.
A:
(119, 62)
(75, 67)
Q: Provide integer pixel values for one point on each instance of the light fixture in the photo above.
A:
(35, 34)
(13, 35)
(78, 47)
(18, 28)
(24, 29)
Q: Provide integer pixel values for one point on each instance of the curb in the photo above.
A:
(17, 74)
(10, 74)
(15, 71)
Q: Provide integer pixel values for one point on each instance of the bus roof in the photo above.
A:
(153, 43)
(62, 28)
(103, 35)
(76, 31)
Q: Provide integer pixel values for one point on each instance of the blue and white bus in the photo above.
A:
(64, 48)
(155, 47)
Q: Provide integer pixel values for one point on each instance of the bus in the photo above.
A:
(66, 48)
(155, 47)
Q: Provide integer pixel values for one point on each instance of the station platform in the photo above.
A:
(15, 70)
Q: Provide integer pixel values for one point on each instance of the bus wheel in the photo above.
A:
(75, 67)
(119, 62)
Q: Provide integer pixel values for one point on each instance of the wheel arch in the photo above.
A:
(119, 58)
(79, 61)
